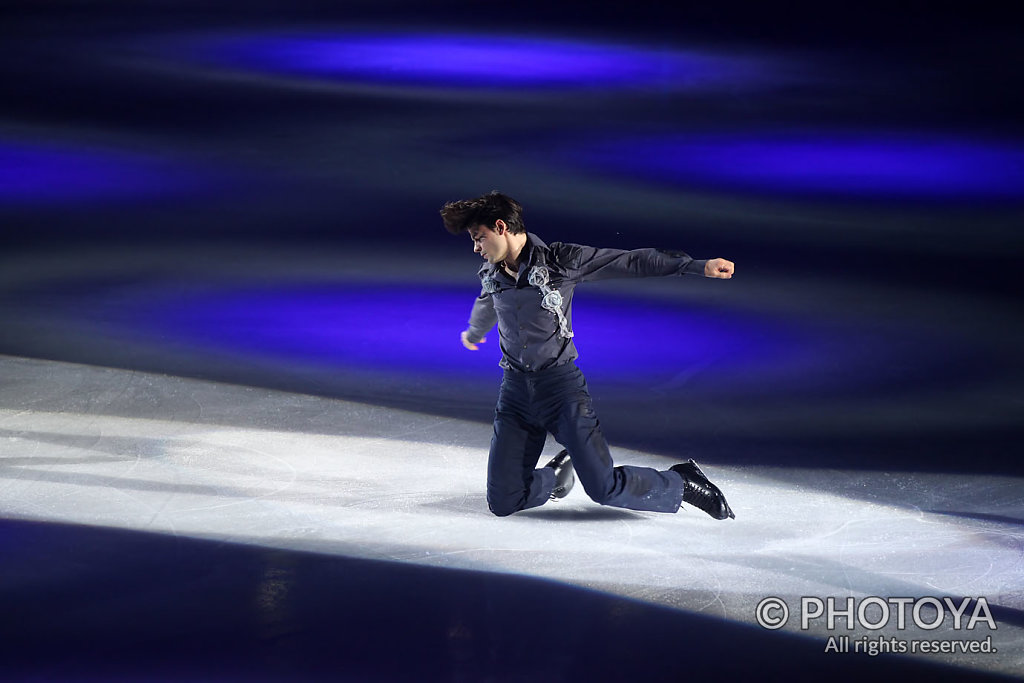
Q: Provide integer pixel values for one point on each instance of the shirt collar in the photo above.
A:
(530, 249)
(533, 245)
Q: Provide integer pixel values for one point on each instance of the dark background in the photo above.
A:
(279, 180)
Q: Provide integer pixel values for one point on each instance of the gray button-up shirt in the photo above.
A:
(532, 338)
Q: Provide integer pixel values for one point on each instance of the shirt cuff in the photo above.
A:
(695, 267)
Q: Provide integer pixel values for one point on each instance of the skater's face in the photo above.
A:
(491, 243)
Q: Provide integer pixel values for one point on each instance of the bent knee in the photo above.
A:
(600, 489)
(503, 508)
(600, 497)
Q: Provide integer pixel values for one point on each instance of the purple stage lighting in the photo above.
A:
(413, 330)
(34, 173)
(838, 165)
(476, 61)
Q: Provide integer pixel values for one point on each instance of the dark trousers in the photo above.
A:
(556, 400)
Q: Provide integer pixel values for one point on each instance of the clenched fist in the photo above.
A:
(719, 267)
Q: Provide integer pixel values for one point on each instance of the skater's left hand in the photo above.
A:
(720, 268)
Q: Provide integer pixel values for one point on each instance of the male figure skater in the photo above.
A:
(527, 288)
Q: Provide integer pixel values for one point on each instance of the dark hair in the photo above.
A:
(485, 210)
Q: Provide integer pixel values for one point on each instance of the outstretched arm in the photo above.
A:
(481, 320)
(590, 263)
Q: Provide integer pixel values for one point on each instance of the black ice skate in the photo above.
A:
(564, 477)
(700, 492)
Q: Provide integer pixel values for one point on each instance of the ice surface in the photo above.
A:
(188, 458)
